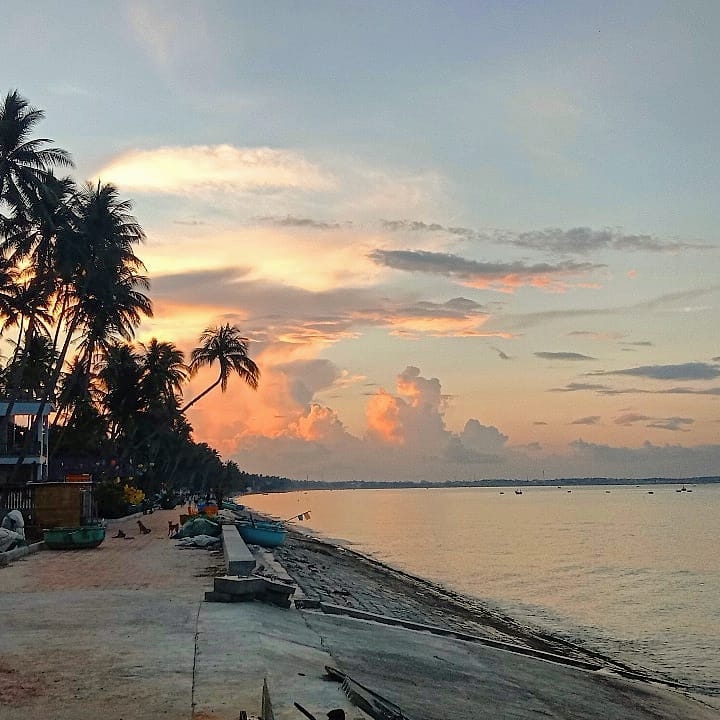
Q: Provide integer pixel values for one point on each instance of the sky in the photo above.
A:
(466, 240)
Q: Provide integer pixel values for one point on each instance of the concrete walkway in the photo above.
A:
(122, 633)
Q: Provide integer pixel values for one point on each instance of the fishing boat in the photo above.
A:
(74, 538)
(230, 505)
(262, 532)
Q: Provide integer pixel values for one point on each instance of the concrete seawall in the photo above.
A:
(122, 632)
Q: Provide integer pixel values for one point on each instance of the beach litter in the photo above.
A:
(374, 704)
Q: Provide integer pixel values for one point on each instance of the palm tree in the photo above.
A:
(120, 376)
(101, 298)
(229, 349)
(165, 372)
(25, 174)
(25, 164)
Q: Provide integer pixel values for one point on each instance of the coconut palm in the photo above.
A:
(25, 164)
(120, 376)
(226, 346)
(165, 372)
(101, 298)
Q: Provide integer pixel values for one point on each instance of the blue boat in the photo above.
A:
(230, 505)
(261, 532)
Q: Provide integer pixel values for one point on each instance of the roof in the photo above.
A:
(26, 408)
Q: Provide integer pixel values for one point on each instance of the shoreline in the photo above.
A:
(360, 584)
(122, 631)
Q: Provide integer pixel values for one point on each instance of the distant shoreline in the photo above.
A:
(295, 485)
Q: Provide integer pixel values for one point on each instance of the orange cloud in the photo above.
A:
(383, 418)
(320, 423)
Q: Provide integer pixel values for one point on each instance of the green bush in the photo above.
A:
(110, 499)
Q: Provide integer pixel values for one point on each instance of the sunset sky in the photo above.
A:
(466, 239)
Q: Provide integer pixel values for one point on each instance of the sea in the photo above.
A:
(630, 571)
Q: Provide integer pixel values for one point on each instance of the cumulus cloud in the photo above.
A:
(307, 377)
(504, 277)
(482, 438)
(413, 417)
(405, 436)
(648, 460)
(277, 431)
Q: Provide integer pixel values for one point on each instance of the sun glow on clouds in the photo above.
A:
(414, 415)
(208, 168)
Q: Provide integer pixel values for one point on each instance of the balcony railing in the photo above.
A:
(31, 449)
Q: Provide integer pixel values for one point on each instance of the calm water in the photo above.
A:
(632, 574)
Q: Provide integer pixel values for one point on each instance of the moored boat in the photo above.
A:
(230, 505)
(74, 538)
(261, 532)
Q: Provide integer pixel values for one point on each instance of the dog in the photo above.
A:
(120, 534)
(173, 528)
(144, 530)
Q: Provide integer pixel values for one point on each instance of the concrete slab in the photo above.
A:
(239, 586)
(238, 558)
(239, 646)
(435, 678)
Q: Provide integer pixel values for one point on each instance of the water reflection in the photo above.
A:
(619, 566)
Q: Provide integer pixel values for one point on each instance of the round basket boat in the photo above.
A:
(74, 538)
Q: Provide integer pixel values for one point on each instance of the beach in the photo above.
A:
(123, 632)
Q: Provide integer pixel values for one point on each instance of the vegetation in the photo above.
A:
(72, 295)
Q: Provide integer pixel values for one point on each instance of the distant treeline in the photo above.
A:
(263, 483)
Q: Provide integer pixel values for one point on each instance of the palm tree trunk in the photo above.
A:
(201, 395)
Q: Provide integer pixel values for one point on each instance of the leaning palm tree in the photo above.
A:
(226, 346)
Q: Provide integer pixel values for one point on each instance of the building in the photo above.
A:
(24, 449)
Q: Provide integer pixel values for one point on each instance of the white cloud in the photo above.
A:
(201, 169)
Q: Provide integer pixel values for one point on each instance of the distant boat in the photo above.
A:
(650, 492)
(683, 489)
(518, 492)
(501, 492)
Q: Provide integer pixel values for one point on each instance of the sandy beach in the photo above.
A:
(122, 632)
